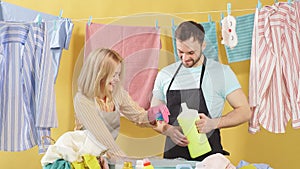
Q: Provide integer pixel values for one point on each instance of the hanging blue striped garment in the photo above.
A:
(59, 30)
(27, 105)
(211, 50)
(244, 30)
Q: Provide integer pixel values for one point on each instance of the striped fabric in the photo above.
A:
(244, 29)
(27, 107)
(211, 50)
(58, 29)
(94, 120)
(297, 59)
(87, 114)
(274, 76)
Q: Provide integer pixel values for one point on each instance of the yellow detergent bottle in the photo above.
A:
(198, 142)
(147, 164)
(127, 165)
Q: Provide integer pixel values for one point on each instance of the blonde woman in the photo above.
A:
(100, 100)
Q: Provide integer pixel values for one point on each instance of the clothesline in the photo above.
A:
(161, 14)
(149, 14)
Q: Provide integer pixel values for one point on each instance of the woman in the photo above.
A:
(100, 100)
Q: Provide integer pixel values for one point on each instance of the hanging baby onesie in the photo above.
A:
(229, 36)
(139, 46)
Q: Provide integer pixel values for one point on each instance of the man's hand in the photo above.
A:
(176, 135)
(206, 124)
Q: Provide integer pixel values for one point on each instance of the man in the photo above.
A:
(204, 85)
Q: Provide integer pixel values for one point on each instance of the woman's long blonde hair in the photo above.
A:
(97, 71)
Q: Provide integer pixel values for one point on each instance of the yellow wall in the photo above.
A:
(279, 150)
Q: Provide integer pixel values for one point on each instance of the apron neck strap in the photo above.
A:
(203, 70)
(174, 76)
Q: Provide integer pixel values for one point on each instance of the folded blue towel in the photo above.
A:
(244, 30)
(258, 166)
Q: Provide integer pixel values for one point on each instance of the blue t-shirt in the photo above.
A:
(218, 81)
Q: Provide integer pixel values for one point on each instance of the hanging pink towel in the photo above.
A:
(139, 46)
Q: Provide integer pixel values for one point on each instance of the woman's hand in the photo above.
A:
(103, 162)
(155, 112)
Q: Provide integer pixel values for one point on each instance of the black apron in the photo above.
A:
(195, 100)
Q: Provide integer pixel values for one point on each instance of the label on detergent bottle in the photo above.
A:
(199, 144)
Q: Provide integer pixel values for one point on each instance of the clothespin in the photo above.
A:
(39, 19)
(222, 17)
(290, 2)
(228, 8)
(258, 5)
(60, 14)
(209, 18)
(173, 40)
(275, 1)
(172, 22)
(156, 24)
(55, 22)
(90, 21)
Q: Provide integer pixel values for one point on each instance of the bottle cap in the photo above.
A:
(146, 162)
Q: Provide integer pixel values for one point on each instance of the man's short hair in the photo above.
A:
(189, 29)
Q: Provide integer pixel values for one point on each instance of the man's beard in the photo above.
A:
(194, 62)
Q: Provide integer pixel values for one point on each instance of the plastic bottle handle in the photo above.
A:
(184, 106)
